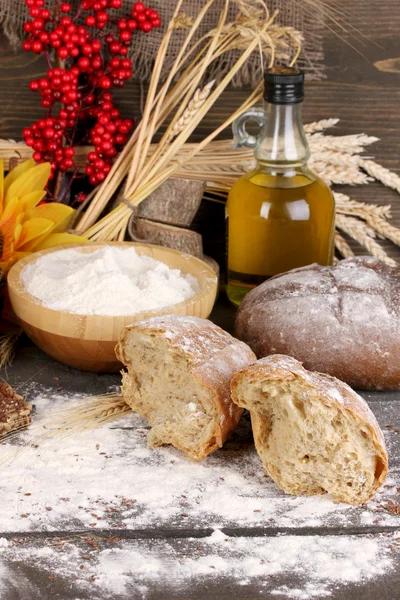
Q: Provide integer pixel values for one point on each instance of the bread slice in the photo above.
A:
(179, 374)
(313, 433)
(14, 411)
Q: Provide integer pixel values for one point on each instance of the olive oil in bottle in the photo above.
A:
(280, 215)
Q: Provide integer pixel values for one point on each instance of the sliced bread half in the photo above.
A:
(313, 433)
(178, 378)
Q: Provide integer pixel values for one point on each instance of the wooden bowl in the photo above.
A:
(87, 342)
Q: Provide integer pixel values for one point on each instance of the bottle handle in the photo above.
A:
(241, 137)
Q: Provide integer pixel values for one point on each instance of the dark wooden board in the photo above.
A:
(171, 545)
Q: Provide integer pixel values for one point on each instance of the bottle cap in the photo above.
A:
(284, 85)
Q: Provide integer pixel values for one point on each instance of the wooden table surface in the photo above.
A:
(362, 89)
(29, 568)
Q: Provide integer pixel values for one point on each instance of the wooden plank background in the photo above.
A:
(361, 88)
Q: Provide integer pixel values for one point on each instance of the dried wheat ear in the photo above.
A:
(313, 433)
(179, 373)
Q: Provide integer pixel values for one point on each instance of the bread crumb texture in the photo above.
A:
(178, 377)
(313, 433)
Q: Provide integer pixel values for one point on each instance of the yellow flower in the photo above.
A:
(26, 227)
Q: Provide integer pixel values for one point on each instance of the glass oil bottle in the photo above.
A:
(280, 215)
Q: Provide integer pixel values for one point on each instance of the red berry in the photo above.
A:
(84, 62)
(63, 52)
(87, 49)
(100, 176)
(34, 85)
(132, 25)
(139, 7)
(125, 36)
(146, 26)
(65, 7)
(156, 22)
(38, 24)
(37, 46)
(96, 45)
(104, 82)
(49, 133)
(90, 21)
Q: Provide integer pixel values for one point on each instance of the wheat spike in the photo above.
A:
(382, 174)
(360, 232)
(348, 144)
(384, 229)
(335, 158)
(8, 346)
(343, 246)
(339, 175)
(192, 108)
(320, 125)
(344, 204)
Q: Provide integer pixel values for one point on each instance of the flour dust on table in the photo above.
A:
(139, 569)
(111, 281)
(109, 480)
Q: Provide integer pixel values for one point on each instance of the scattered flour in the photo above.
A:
(109, 479)
(315, 565)
(109, 281)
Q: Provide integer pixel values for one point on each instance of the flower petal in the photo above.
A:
(1, 183)
(33, 231)
(56, 239)
(32, 180)
(19, 170)
(11, 213)
(7, 232)
(30, 200)
(60, 214)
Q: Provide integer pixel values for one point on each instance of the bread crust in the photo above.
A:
(214, 357)
(14, 411)
(285, 368)
(342, 320)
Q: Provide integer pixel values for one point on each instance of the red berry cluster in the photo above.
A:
(45, 137)
(95, 62)
(109, 133)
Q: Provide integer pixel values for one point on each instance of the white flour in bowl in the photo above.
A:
(110, 281)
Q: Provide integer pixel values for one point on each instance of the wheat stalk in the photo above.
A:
(363, 234)
(320, 125)
(340, 175)
(384, 229)
(146, 168)
(343, 246)
(381, 174)
(92, 413)
(8, 346)
(194, 105)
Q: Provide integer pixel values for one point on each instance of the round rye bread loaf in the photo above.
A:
(342, 320)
